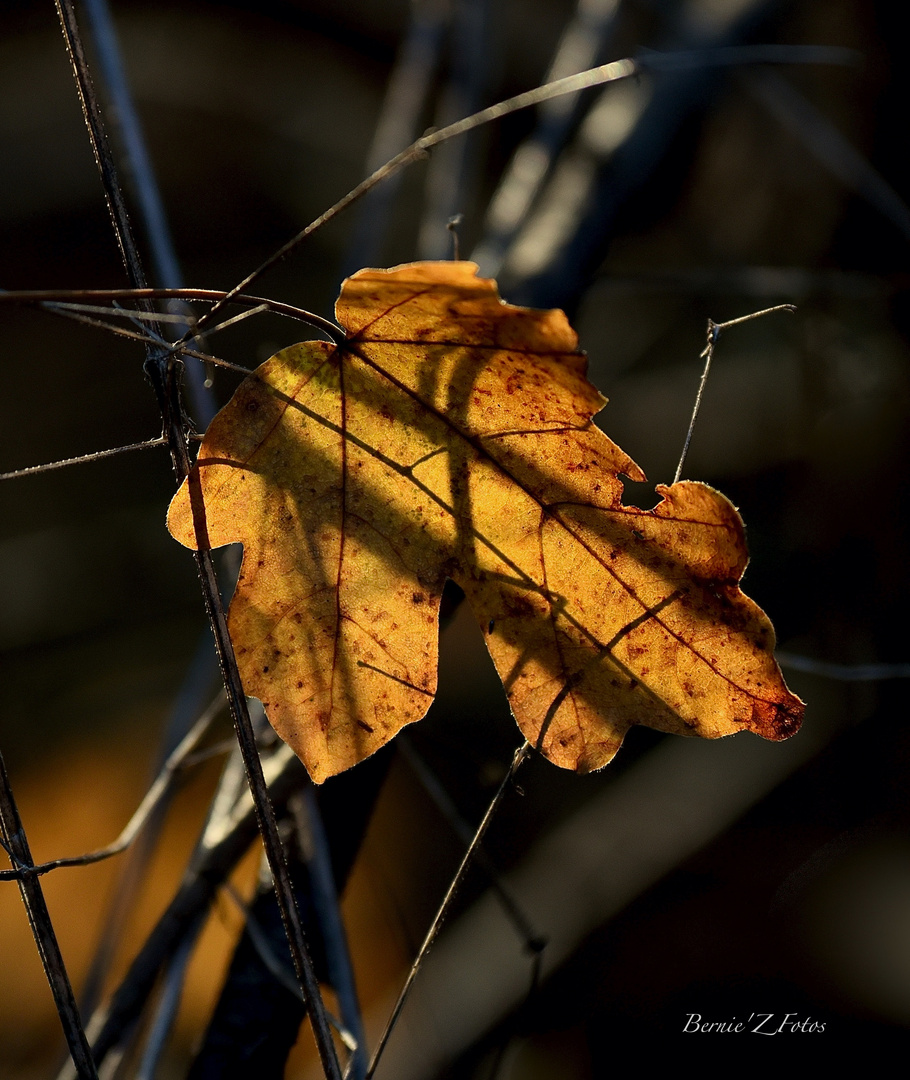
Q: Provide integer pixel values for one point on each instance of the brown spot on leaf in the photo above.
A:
(568, 586)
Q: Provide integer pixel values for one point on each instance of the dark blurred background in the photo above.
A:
(724, 879)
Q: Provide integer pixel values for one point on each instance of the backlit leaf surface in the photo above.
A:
(452, 437)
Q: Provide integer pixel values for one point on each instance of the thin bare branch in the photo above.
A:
(53, 297)
(14, 841)
(224, 843)
(520, 756)
(714, 330)
(76, 312)
(234, 319)
(83, 458)
(207, 358)
(164, 376)
(121, 312)
(842, 672)
(182, 757)
(748, 318)
(597, 76)
(533, 941)
(618, 69)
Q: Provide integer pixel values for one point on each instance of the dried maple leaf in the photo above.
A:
(451, 436)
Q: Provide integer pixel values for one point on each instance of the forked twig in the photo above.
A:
(714, 330)
(160, 367)
(182, 756)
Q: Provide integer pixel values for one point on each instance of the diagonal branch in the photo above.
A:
(13, 839)
(162, 370)
(614, 71)
(521, 755)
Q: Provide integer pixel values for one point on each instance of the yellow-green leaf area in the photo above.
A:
(451, 436)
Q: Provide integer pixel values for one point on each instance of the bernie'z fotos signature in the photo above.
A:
(759, 1023)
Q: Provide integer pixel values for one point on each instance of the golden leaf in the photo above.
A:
(451, 436)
